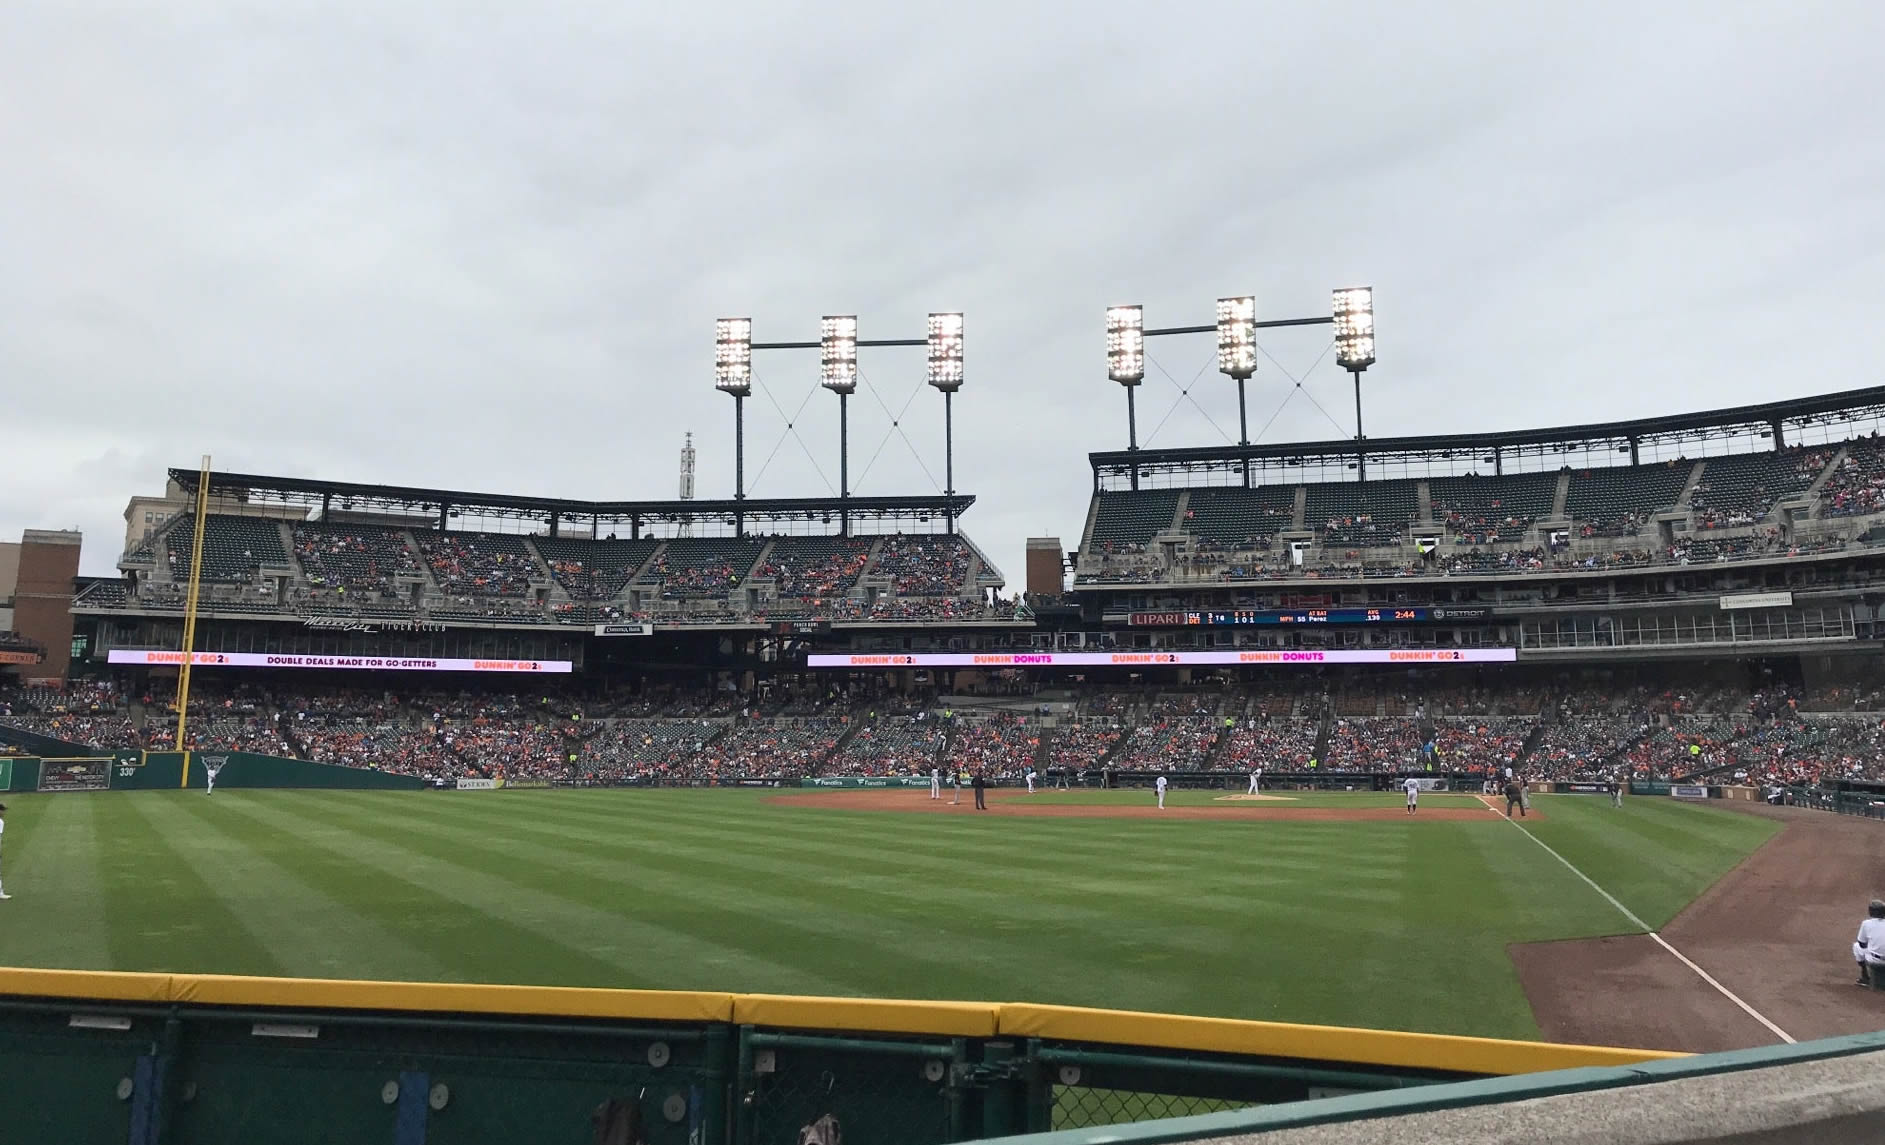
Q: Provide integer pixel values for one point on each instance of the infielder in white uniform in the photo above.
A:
(935, 783)
(1030, 779)
(1413, 793)
(1256, 779)
(3, 828)
(1161, 792)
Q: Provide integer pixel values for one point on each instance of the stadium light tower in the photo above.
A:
(1354, 350)
(733, 374)
(837, 351)
(945, 373)
(1125, 364)
(1237, 356)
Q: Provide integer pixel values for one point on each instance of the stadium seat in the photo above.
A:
(234, 548)
(1132, 518)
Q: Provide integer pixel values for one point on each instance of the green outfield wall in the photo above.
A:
(166, 770)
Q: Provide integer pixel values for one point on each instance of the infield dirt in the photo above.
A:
(916, 800)
(1777, 931)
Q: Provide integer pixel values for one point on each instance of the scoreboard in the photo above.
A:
(1297, 617)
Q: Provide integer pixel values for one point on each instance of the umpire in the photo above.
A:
(981, 785)
(1514, 797)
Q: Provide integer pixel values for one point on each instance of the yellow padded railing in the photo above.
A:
(1491, 1056)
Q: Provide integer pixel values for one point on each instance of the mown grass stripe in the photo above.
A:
(1150, 926)
(887, 883)
(160, 913)
(743, 910)
(288, 910)
(536, 899)
(56, 916)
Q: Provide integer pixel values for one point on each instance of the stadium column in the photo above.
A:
(1361, 451)
(739, 461)
(844, 463)
(949, 455)
(1243, 428)
(1132, 434)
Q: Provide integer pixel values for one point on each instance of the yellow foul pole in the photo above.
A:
(189, 618)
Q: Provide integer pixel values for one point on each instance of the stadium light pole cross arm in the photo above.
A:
(1236, 329)
(837, 348)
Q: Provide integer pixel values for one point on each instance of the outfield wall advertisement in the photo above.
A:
(75, 774)
(865, 781)
(150, 658)
(1157, 659)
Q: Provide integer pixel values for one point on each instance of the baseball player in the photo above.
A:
(1616, 790)
(955, 776)
(1256, 780)
(1161, 792)
(1412, 787)
(935, 783)
(1030, 779)
(1868, 951)
(209, 779)
(3, 828)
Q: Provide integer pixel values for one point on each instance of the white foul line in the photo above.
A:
(1660, 941)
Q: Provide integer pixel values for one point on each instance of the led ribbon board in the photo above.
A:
(153, 659)
(1156, 659)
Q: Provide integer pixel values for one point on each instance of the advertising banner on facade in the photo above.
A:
(995, 660)
(152, 659)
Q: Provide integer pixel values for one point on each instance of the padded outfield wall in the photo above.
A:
(164, 770)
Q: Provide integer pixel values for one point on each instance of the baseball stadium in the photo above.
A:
(1396, 788)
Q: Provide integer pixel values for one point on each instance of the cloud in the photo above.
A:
(481, 246)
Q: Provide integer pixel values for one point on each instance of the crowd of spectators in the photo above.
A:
(1379, 743)
(893, 745)
(1000, 747)
(1273, 744)
(924, 564)
(477, 564)
(1082, 745)
(826, 571)
(1857, 486)
(361, 560)
(773, 748)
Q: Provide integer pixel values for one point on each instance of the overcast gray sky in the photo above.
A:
(482, 246)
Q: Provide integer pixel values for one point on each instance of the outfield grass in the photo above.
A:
(1392, 924)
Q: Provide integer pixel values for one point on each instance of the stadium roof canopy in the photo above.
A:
(444, 504)
(1781, 423)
